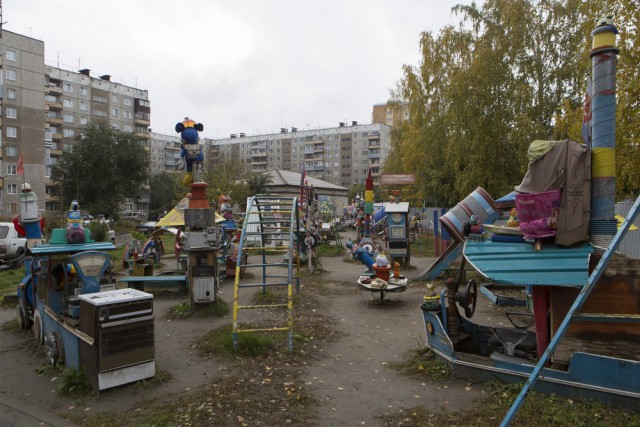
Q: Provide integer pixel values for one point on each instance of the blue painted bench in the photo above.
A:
(155, 282)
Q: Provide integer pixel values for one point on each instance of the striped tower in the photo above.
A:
(602, 225)
(368, 204)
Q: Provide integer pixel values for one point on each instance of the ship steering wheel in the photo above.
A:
(468, 299)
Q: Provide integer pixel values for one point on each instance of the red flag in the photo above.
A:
(20, 168)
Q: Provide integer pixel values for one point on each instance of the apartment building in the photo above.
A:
(341, 155)
(44, 108)
(383, 113)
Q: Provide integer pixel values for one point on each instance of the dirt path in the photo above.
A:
(350, 376)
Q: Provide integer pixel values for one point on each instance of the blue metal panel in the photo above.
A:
(72, 248)
(520, 264)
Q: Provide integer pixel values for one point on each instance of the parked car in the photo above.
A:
(146, 227)
(12, 246)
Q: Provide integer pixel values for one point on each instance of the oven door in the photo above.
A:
(125, 342)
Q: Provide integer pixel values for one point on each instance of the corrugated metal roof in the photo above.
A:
(520, 264)
(285, 177)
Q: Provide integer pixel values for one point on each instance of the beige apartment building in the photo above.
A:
(43, 108)
(341, 155)
(383, 113)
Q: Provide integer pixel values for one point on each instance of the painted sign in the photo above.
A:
(398, 179)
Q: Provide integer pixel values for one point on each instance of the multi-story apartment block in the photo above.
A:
(383, 113)
(43, 109)
(165, 152)
(340, 155)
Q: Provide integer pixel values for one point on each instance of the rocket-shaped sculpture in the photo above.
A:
(368, 203)
(603, 185)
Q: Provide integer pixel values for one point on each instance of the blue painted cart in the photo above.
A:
(68, 298)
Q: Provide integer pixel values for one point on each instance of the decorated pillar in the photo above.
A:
(603, 225)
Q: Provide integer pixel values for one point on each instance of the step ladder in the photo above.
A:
(269, 226)
(575, 314)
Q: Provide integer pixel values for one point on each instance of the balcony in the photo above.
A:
(374, 135)
(55, 106)
(142, 119)
(54, 90)
(143, 135)
(259, 154)
(374, 155)
(258, 162)
(52, 120)
(57, 137)
(55, 153)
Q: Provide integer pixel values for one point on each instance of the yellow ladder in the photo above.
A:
(269, 225)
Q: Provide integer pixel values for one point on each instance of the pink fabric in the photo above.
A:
(538, 213)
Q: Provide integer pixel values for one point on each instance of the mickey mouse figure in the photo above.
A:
(190, 150)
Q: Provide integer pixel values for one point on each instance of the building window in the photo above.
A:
(99, 113)
(68, 118)
(11, 113)
(10, 74)
(127, 114)
(12, 132)
(11, 170)
(114, 97)
(114, 112)
(127, 128)
(83, 105)
(11, 151)
(68, 87)
(11, 93)
(69, 103)
(69, 133)
(100, 99)
(83, 120)
(115, 126)
(10, 55)
(12, 188)
(127, 101)
(84, 91)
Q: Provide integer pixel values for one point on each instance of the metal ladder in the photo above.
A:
(269, 226)
(574, 313)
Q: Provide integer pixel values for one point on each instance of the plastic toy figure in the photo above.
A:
(190, 151)
(29, 223)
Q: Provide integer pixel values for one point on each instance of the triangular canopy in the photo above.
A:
(175, 218)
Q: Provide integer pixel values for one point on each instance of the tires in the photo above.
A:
(23, 314)
(38, 327)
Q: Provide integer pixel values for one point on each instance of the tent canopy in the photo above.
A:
(175, 218)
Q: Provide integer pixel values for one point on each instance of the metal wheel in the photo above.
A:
(38, 327)
(23, 314)
(54, 349)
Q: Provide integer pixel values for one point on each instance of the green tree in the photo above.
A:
(511, 72)
(259, 183)
(105, 167)
(228, 175)
(165, 191)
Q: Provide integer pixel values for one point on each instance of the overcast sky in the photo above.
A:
(250, 66)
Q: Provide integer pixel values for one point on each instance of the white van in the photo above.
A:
(133, 215)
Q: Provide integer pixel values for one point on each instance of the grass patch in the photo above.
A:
(9, 281)
(72, 382)
(422, 363)
(329, 250)
(250, 344)
(12, 326)
(538, 410)
(219, 308)
(161, 377)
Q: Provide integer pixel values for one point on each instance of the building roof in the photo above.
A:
(281, 177)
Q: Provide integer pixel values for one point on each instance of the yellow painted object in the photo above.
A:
(603, 39)
(603, 162)
(620, 220)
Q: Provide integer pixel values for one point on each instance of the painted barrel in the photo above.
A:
(478, 203)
